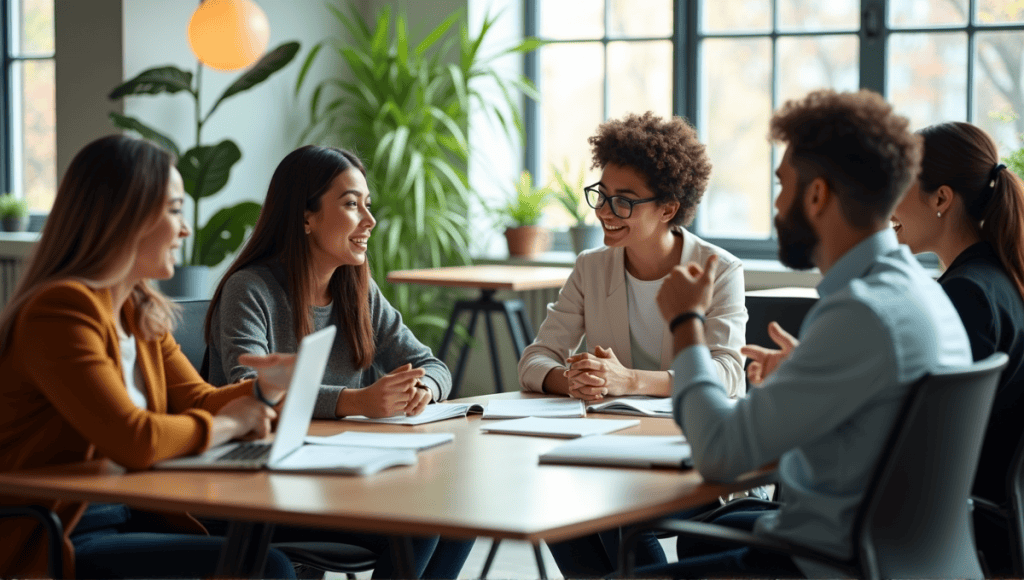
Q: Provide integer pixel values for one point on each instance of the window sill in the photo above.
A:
(758, 274)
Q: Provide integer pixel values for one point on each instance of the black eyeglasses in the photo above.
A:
(620, 205)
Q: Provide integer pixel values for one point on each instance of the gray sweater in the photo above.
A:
(255, 316)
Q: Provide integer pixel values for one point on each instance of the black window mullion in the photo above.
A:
(6, 158)
(531, 108)
(874, 32)
(605, 91)
(971, 48)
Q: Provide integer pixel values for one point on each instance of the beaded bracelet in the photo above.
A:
(683, 317)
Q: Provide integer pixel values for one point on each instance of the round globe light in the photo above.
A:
(228, 34)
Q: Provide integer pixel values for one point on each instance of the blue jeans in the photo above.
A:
(707, 559)
(103, 549)
(596, 555)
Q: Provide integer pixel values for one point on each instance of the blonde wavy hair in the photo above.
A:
(113, 190)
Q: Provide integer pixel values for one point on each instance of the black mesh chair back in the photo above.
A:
(915, 521)
(788, 311)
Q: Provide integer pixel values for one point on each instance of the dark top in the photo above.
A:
(993, 314)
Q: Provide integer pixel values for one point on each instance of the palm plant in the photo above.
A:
(404, 107)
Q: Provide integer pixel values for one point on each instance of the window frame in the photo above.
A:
(873, 35)
(10, 55)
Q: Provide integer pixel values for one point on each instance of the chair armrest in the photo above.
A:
(54, 533)
(717, 532)
(984, 505)
(745, 503)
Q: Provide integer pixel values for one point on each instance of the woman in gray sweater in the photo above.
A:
(305, 268)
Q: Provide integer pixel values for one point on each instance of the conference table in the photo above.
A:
(481, 484)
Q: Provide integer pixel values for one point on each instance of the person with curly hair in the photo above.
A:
(828, 401)
(654, 172)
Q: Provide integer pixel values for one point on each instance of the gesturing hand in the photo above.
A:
(274, 372)
(764, 361)
(688, 288)
(393, 393)
(593, 376)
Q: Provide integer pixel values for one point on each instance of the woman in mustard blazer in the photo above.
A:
(91, 370)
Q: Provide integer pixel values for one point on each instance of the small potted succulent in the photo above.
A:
(584, 235)
(13, 213)
(522, 213)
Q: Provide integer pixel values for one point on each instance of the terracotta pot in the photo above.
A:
(527, 241)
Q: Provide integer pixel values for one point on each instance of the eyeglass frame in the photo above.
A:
(632, 202)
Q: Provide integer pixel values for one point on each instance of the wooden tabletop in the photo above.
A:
(479, 485)
(496, 277)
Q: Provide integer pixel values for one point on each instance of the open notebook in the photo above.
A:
(287, 452)
(562, 407)
(642, 406)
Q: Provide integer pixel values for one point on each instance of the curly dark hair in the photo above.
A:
(665, 151)
(857, 144)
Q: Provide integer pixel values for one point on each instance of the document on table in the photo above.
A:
(414, 441)
(345, 460)
(643, 406)
(624, 450)
(555, 427)
(494, 409)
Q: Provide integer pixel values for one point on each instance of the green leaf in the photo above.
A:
(225, 232)
(271, 62)
(132, 124)
(205, 169)
(164, 79)
(306, 64)
(436, 33)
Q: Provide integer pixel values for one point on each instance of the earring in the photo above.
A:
(937, 214)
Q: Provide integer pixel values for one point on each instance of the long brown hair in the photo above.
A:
(112, 191)
(298, 186)
(965, 158)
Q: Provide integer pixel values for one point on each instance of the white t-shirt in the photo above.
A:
(646, 325)
(132, 373)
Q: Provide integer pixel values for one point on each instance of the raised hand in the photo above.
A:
(688, 288)
(274, 372)
(593, 376)
(764, 361)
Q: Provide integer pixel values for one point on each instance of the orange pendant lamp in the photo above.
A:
(228, 34)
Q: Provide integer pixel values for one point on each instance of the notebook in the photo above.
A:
(555, 427)
(287, 452)
(494, 409)
(624, 450)
(642, 406)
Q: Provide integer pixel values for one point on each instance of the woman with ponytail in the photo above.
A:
(968, 208)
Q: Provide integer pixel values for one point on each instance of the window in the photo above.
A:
(727, 64)
(28, 121)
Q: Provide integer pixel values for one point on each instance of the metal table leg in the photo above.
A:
(490, 557)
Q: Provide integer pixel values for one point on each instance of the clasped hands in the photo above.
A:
(591, 377)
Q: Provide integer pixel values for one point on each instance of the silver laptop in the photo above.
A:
(292, 424)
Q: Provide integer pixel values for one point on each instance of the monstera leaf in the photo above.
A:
(224, 233)
(205, 169)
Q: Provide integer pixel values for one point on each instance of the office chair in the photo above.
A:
(189, 334)
(1012, 511)
(54, 533)
(914, 520)
(326, 556)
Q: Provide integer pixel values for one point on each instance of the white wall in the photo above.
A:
(265, 122)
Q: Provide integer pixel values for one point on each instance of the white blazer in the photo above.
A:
(593, 305)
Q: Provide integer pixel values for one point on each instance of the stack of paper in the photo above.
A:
(344, 460)
(431, 413)
(644, 406)
(568, 428)
(624, 450)
(414, 441)
(495, 409)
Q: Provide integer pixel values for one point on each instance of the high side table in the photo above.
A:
(487, 279)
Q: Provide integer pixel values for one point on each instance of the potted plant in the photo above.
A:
(403, 103)
(205, 169)
(13, 213)
(584, 235)
(522, 213)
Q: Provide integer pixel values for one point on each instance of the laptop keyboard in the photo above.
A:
(250, 451)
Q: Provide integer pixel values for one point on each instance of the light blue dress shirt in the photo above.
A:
(825, 412)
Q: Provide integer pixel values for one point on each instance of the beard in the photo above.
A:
(797, 239)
